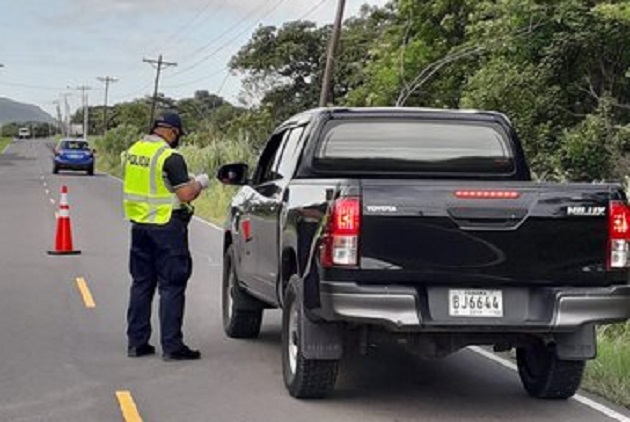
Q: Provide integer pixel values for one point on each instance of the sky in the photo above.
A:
(49, 48)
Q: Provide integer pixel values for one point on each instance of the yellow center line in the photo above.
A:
(85, 293)
(128, 407)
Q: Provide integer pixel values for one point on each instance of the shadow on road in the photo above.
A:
(391, 378)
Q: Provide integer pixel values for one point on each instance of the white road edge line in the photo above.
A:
(207, 223)
(598, 407)
(5, 148)
(200, 220)
(52, 201)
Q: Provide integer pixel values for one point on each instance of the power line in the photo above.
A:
(228, 43)
(304, 16)
(28, 86)
(158, 64)
(177, 36)
(193, 82)
(135, 92)
(227, 31)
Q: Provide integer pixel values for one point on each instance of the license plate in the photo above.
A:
(75, 156)
(475, 303)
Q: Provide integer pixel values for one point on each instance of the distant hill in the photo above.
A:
(13, 111)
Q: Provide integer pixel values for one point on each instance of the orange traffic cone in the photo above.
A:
(63, 243)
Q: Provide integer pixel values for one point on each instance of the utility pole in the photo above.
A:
(59, 119)
(66, 125)
(158, 65)
(332, 51)
(106, 80)
(84, 100)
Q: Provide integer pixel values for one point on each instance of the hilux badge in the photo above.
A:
(586, 211)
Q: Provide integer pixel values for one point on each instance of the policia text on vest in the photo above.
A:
(138, 160)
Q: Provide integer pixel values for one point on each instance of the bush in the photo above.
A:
(110, 147)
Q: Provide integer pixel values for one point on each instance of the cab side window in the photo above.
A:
(267, 161)
(289, 154)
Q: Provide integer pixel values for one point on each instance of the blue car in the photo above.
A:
(73, 154)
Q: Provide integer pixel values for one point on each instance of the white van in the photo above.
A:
(24, 133)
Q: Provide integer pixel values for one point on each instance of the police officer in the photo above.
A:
(157, 195)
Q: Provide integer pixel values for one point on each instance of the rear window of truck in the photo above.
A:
(414, 146)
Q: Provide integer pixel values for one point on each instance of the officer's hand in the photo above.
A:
(203, 180)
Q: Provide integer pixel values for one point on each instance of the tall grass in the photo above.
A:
(609, 374)
(4, 141)
(204, 153)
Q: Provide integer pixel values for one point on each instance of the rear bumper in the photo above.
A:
(403, 308)
(74, 165)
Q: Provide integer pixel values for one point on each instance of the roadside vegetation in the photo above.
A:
(560, 70)
(204, 153)
(609, 374)
(4, 141)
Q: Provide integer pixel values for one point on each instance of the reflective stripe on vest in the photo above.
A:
(147, 198)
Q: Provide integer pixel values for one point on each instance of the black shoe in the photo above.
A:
(184, 353)
(144, 350)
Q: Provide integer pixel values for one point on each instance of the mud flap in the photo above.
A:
(577, 345)
(320, 341)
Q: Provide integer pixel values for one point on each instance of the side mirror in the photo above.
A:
(233, 174)
(94, 151)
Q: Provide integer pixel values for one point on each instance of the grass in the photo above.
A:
(609, 374)
(4, 141)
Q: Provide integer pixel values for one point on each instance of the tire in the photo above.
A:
(544, 375)
(55, 170)
(90, 171)
(304, 378)
(242, 316)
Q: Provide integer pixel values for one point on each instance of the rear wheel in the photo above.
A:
(544, 375)
(55, 169)
(304, 378)
(242, 314)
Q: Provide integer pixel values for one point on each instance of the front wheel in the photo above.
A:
(242, 314)
(55, 169)
(304, 378)
(544, 375)
(90, 171)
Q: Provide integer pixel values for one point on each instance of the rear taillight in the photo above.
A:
(340, 245)
(619, 235)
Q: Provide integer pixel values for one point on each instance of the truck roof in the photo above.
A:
(399, 111)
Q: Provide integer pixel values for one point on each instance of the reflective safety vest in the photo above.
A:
(147, 198)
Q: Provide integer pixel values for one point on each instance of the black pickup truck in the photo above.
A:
(421, 227)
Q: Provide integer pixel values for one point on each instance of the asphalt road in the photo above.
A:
(62, 361)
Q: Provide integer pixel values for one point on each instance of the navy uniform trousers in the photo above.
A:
(159, 259)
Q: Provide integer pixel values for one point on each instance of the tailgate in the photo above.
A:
(421, 232)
